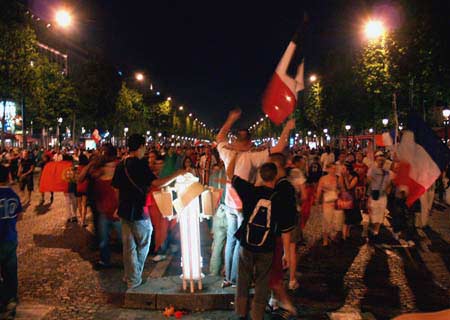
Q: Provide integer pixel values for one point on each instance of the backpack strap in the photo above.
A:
(129, 178)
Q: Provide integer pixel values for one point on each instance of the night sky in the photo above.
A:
(213, 56)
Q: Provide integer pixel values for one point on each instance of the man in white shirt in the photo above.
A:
(326, 158)
(247, 163)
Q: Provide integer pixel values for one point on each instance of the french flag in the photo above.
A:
(280, 97)
(422, 157)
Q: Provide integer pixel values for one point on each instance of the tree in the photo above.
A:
(17, 54)
(97, 85)
(129, 111)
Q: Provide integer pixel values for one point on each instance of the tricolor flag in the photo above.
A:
(422, 158)
(56, 176)
(280, 97)
(386, 139)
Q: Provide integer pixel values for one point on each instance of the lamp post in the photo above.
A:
(60, 120)
(385, 122)
(125, 131)
(446, 114)
(347, 129)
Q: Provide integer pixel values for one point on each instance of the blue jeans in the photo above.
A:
(234, 220)
(8, 268)
(105, 227)
(136, 237)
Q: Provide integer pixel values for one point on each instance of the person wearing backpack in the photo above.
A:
(379, 186)
(257, 240)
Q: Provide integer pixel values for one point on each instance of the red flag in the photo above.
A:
(55, 177)
(280, 97)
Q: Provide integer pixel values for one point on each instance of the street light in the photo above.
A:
(385, 122)
(139, 76)
(347, 129)
(59, 120)
(374, 29)
(446, 114)
(313, 78)
(371, 130)
(325, 130)
(125, 131)
(169, 98)
(63, 18)
(180, 108)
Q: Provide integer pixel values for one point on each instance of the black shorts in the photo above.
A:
(28, 182)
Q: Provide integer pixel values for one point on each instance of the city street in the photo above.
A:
(57, 279)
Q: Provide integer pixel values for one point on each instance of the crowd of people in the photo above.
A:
(267, 199)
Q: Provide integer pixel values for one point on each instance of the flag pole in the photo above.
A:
(394, 106)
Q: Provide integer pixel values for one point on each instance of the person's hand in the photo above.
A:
(234, 114)
(290, 125)
(116, 214)
(285, 261)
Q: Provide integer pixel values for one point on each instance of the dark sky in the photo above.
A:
(216, 55)
(211, 56)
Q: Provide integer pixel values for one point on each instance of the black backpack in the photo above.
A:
(259, 226)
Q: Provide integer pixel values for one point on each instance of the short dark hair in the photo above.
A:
(247, 134)
(135, 141)
(268, 171)
(279, 158)
(297, 158)
(4, 173)
(109, 150)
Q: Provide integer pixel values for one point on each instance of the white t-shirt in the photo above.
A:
(296, 178)
(247, 164)
(325, 159)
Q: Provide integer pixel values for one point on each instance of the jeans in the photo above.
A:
(219, 238)
(8, 267)
(253, 266)
(105, 227)
(234, 220)
(136, 237)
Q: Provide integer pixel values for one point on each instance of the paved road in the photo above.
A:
(57, 279)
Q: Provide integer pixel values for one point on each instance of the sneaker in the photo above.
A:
(134, 286)
(159, 257)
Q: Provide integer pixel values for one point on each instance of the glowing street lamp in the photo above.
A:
(139, 76)
(325, 130)
(169, 98)
(374, 29)
(446, 114)
(63, 18)
(371, 130)
(313, 78)
(180, 108)
(385, 122)
(347, 129)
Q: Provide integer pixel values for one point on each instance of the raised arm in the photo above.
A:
(284, 137)
(161, 182)
(232, 117)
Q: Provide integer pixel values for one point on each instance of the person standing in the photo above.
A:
(328, 187)
(247, 163)
(379, 186)
(10, 213)
(132, 180)
(218, 180)
(326, 158)
(25, 174)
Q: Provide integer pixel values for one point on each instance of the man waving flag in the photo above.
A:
(280, 97)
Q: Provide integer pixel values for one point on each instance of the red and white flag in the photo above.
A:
(280, 97)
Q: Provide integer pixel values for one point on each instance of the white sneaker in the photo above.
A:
(159, 257)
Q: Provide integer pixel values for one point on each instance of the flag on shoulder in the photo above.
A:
(422, 157)
(280, 97)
